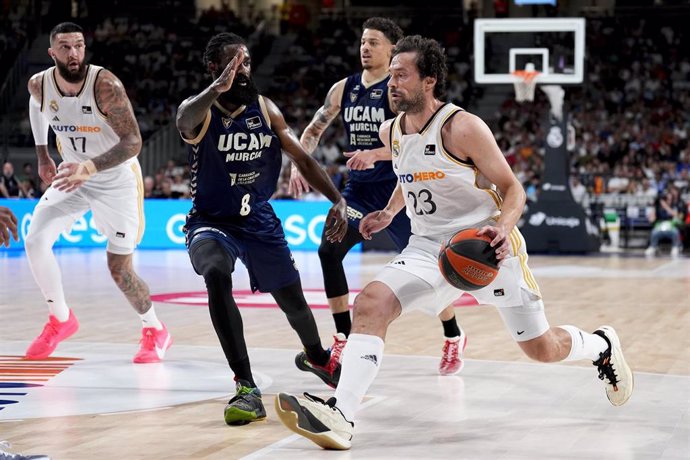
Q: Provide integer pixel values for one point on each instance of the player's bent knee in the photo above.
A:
(211, 261)
(331, 253)
(36, 242)
(377, 304)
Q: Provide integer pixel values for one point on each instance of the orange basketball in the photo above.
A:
(467, 261)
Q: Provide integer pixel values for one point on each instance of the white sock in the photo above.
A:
(149, 319)
(361, 361)
(46, 225)
(584, 344)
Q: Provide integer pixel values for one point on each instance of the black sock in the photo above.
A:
(317, 354)
(343, 323)
(450, 328)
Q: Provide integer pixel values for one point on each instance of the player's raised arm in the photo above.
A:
(194, 110)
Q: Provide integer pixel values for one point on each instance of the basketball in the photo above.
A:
(467, 260)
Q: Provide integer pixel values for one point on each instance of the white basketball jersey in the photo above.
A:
(441, 192)
(81, 129)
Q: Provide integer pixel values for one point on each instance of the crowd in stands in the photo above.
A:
(15, 27)
(631, 114)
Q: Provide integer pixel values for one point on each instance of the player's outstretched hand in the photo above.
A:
(8, 224)
(360, 159)
(336, 222)
(297, 184)
(374, 222)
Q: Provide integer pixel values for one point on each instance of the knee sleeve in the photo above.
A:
(331, 256)
(210, 259)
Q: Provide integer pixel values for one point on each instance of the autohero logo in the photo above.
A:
(539, 218)
(75, 129)
(421, 176)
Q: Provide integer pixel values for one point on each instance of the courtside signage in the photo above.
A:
(303, 223)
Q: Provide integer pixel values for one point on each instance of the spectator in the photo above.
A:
(668, 216)
(12, 187)
(148, 187)
(578, 190)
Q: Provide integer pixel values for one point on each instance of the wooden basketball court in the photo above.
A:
(90, 401)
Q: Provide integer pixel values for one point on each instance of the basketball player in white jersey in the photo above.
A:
(358, 100)
(98, 138)
(447, 162)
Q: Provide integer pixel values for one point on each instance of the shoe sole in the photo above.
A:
(621, 368)
(291, 414)
(462, 362)
(46, 355)
(306, 368)
(237, 417)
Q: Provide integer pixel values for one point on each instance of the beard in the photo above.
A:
(411, 105)
(71, 76)
(240, 95)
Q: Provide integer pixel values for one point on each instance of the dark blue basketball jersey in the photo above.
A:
(363, 110)
(235, 165)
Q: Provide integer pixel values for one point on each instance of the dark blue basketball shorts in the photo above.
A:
(258, 242)
(365, 197)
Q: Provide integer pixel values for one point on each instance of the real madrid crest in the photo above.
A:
(396, 148)
(53, 105)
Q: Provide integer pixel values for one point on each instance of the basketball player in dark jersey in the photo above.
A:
(363, 102)
(236, 138)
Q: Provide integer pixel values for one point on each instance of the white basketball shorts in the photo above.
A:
(116, 199)
(418, 284)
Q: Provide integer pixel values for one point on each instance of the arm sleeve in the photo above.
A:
(39, 125)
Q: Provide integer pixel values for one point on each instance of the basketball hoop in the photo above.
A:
(525, 82)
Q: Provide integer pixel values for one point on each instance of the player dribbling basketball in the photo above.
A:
(447, 162)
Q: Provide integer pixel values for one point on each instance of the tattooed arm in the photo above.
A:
(113, 102)
(312, 133)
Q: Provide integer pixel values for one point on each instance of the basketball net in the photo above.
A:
(525, 82)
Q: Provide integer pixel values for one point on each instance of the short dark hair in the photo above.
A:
(431, 60)
(386, 26)
(65, 28)
(217, 43)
